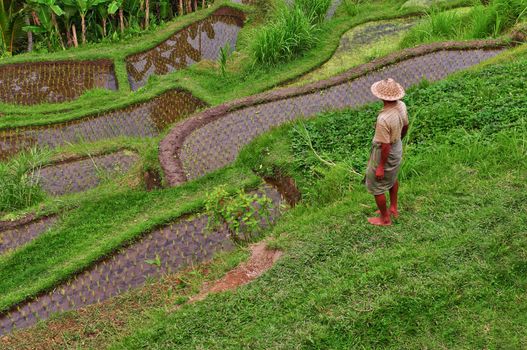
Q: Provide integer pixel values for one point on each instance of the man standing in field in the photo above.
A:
(387, 149)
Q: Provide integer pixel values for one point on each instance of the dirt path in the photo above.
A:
(261, 260)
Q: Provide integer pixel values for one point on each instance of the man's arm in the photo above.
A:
(404, 131)
(385, 152)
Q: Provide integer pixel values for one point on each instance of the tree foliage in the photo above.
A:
(58, 24)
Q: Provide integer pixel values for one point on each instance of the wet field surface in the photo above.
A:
(14, 237)
(82, 174)
(333, 8)
(144, 119)
(373, 33)
(359, 45)
(165, 250)
(201, 40)
(52, 82)
(218, 143)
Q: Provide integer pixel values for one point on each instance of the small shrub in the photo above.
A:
(243, 213)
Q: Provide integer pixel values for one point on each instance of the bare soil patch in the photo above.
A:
(261, 260)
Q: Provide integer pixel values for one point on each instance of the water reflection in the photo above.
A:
(34, 83)
(201, 40)
(145, 119)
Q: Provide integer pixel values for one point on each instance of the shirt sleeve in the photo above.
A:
(382, 132)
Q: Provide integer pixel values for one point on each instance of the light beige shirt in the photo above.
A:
(390, 123)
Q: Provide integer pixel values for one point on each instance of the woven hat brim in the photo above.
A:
(385, 97)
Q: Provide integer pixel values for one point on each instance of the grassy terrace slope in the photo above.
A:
(450, 273)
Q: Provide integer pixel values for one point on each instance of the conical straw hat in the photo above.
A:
(388, 90)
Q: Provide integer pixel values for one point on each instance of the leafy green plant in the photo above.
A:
(156, 261)
(294, 30)
(19, 178)
(223, 57)
(11, 24)
(244, 214)
(45, 14)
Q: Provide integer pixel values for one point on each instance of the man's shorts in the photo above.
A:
(391, 168)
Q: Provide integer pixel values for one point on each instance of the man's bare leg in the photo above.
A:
(393, 199)
(384, 218)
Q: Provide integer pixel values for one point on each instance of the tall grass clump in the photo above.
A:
(19, 181)
(492, 20)
(315, 10)
(483, 21)
(437, 26)
(294, 30)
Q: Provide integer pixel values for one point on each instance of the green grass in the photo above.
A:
(482, 22)
(450, 273)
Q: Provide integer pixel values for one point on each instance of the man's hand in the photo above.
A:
(379, 173)
(385, 152)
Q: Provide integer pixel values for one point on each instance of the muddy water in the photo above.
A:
(145, 119)
(201, 40)
(82, 174)
(33, 83)
(13, 237)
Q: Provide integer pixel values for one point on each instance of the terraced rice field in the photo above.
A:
(216, 144)
(164, 250)
(212, 144)
(14, 236)
(201, 40)
(82, 174)
(53, 82)
(144, 119)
